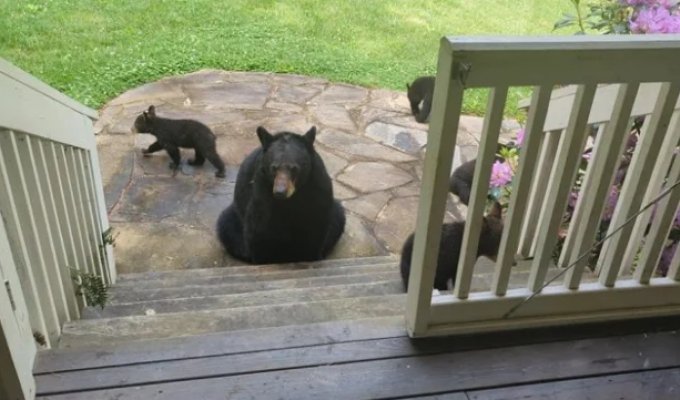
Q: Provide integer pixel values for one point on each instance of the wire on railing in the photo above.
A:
(663, 194)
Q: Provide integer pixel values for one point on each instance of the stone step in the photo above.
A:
(131, 294)
(251, 269)
(181, 280)
(280, 296)
(89, 333)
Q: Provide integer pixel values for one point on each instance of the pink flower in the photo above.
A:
(656, 19)
(501, 174)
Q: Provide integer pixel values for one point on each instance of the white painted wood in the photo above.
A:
(544, 166)
(39, 204)
(16, 234)
(529, 61)
(101, 209)
(80, 204)
(563, 98)
(84, 170)
(12, 72)
(561, 181)
(520, 188)
(446, 107)
(635, 184)
(17, 348)
(660, 228)
(26, 110)
(596, 185)
(674, 268)
(35, 265)
(480, 190)
(556, 302)
(659, 174)
(48, 180)
(72, 214)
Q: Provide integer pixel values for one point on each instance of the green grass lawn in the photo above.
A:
(95, 49)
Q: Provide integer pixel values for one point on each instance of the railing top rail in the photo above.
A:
(560, 43)
(11, 71)
(528, 61)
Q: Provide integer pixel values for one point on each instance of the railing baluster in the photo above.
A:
(46, 242)
(12, 207)
(609, 146)
(544, 166)
(71, 208)
(26, 207)
(479, 190)
(561, 180)
(634, 186)
(520, 188)
(663, 163)
(660, 228)
(674, 268)
(93, 225)
(50, 196)
(446, 107)
(79, 204)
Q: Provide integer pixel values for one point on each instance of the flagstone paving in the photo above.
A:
(371, 145)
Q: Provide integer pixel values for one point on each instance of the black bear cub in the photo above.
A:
(460, 182)
(171, 134)
(283, 208)
(421, 90)
(450, 245)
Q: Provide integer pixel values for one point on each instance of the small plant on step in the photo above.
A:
(91, 286)
(109, 237)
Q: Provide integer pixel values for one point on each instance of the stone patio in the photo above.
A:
(372, 147)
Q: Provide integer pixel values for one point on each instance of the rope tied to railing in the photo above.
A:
(631, 219)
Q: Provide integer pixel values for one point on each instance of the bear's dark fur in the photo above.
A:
(171, 134)
(460, 182)
(283, 209)
(450, 244)
(421, 90)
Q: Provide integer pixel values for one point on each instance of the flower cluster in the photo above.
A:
(625, 16)
(503, 173)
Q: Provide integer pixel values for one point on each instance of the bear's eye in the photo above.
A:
(293, 169)
(272, 169)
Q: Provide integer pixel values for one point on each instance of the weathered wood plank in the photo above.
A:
(58, 360)
(661, 384)
(412, 376)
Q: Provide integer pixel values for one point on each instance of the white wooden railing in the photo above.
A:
(643, 77)
(51, 203)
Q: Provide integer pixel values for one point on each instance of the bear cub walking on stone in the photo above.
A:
(421, 91)
(450, 245)
(283, 208)
(171, 134)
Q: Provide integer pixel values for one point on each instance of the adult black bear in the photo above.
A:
(283, 209)
(421, 90)
(450, 244)
(171, 134)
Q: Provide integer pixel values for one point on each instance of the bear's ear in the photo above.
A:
(310, 135)
(151, 112)
(266, 138)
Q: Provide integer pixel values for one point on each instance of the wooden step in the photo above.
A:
(259, 298)
(124, 329)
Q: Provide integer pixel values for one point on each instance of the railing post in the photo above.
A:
(447, 104)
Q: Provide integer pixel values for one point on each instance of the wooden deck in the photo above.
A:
(375, 360)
